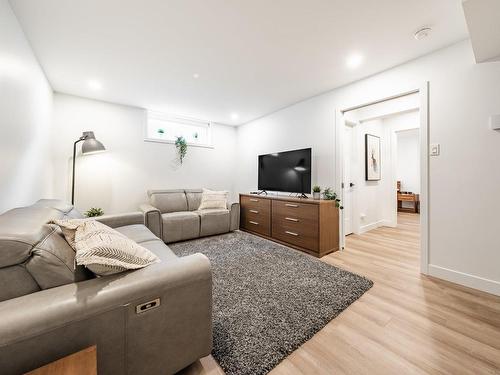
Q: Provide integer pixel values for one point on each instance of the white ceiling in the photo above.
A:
(253, 57)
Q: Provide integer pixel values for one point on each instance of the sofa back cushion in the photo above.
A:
(31, 247)
(168, 200)
(193, 197)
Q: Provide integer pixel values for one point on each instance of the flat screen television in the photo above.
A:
(288, 171)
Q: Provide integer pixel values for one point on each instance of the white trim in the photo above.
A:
(339, 169)
(388, 115)
(375, 225)
(471, 281)
(157, 140)
(424, 178)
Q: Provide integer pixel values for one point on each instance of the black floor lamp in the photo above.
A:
(90, 146)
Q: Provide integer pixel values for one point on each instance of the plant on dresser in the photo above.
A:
(332, 196)
(306, 224)
(317, 192)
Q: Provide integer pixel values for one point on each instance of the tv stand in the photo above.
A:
(310, 225)
(303, 196)
(262, 192)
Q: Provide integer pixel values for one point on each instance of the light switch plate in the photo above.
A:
(435, 149)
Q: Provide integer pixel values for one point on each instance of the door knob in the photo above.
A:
(351, 184)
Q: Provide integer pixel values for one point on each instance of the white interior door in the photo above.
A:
(348, 180)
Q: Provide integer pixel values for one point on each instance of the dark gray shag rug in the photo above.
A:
(268, 299)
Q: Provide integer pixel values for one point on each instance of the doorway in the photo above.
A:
(370, 203)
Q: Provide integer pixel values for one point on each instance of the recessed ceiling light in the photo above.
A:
(94, 85)
(196, 76)
(354, 60)
(235, 116)
(422, 33)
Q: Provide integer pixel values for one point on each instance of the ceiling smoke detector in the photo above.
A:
(422, 33)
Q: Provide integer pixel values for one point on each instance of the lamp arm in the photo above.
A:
(82, 138)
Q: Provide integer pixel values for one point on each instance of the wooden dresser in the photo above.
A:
(305, 224)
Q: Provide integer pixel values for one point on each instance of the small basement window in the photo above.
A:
(162, 127)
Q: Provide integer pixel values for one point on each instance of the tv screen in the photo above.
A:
(288, 171)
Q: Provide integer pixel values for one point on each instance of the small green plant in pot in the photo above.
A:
(316, 192)
(94, 212)
(181, 145)
(330, 195)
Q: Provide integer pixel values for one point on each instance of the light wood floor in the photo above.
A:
(406, 324)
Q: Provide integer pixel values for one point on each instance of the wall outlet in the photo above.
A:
(435, 149)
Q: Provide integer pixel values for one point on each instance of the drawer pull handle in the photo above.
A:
(253, 200)
(253, 222)
(291, 233)
(291, 205)
(254, 211)
(292, 219)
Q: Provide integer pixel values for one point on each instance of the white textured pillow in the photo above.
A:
(102, 249)
(213, 199)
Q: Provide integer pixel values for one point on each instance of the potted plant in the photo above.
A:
(332, 196)
(181, 146)
(317, 192)
(94, 212)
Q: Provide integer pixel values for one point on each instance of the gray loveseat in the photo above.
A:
(50, 309)
(173, 215)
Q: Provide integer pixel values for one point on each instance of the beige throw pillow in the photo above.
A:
(213, 199)
(102, 249)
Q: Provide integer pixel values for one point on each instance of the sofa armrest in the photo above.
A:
(41, 327)
(120, 220)
(235, 216)
(152, 219)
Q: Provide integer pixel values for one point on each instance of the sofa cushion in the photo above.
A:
(160, 249)
(21, 278)
(137, 233)
(214, 221)
(193, 198)
(168, 200)
(142, 235)
(179, 226)
(27, 240)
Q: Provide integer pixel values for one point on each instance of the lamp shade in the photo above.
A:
(91, 145)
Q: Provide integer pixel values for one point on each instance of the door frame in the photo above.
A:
(423, 92)
(354, 177)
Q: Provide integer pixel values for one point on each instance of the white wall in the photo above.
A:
(25, 114)
(117, 180)
(408, 160)
(464, 179)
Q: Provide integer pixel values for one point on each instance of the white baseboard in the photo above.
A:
(471, 281)
(376, 224)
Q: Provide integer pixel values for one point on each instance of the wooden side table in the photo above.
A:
(83, 362)
(414, 198)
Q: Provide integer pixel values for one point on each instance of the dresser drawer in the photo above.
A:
(256, 223)
(256, 215)
(294, 210)
(296, 233)
(255, 203)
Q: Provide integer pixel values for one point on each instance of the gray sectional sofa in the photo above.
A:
(173, 215)
(49, 308)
